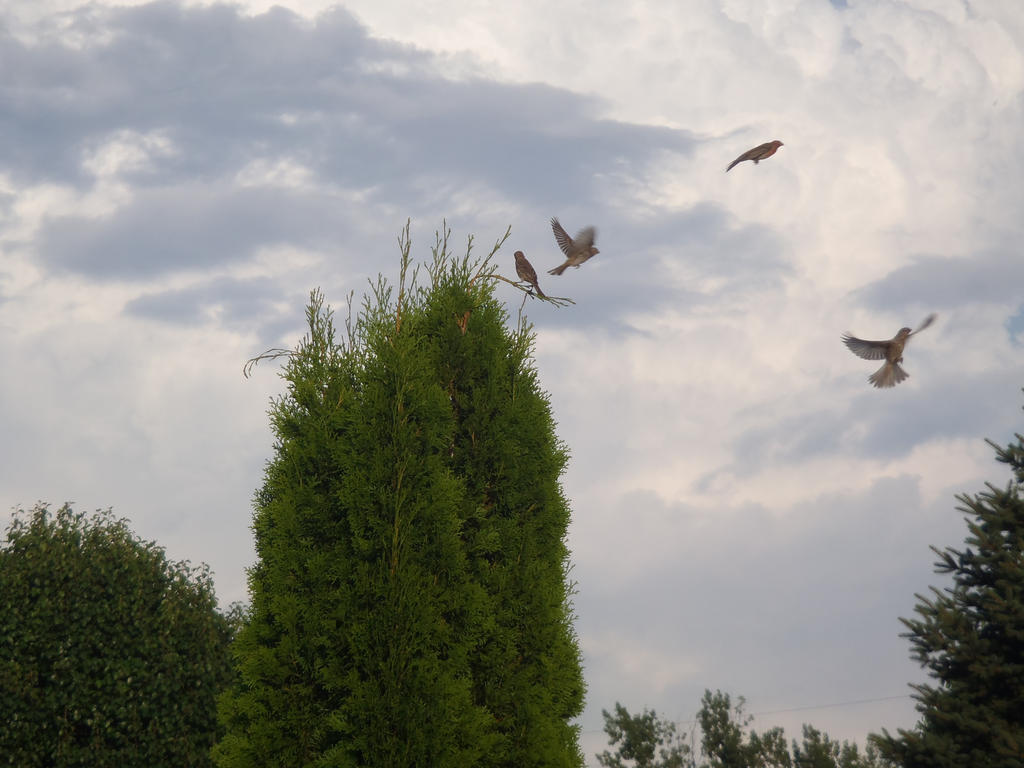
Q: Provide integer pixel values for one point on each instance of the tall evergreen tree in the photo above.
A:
(410, 604)
(970, 638)
(526, 668)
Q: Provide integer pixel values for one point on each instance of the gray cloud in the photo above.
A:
(178, 228)
(239, 304)
(226, 90)
(971, 406)
(1015, 325)
(944, 282)
(204, 73)
(361, 114)
(175, 229)
(741, 585)
(889, 424)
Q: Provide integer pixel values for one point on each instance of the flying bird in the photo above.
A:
(526, 272)
(576, 250)
(890, 374)
(757, 154)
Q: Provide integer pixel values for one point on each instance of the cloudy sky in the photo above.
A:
(749, 514)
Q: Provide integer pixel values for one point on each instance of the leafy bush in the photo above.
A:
(109, 654)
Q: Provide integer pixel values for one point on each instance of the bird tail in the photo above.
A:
(536, 287)
(559, 269)
(889, 375)
(731, 165)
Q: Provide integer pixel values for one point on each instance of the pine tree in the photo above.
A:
(410, 601)
(970, 638)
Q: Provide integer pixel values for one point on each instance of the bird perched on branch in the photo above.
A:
(576, 250)
(890, 374)
(526, 272)
(757, 154)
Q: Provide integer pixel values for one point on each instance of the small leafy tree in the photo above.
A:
(109, 654)
(817, 750)
(645, 739)
(723, 727)
(970, 638)
(726, 742)
(724, 745)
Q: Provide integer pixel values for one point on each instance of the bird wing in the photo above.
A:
(525, 269)
(584, 240)
(767, 150)
(561, 237)
(869, 350)
(927, 321)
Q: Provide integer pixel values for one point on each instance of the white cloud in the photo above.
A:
(126, 151)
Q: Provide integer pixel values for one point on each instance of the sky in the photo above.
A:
(749, 514)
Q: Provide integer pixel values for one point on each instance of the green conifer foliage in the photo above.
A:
(410, 592)
(526, 668)
(970, 638)
(109, 654)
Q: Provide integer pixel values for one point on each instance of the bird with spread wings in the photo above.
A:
(577, 250)
(890, 374)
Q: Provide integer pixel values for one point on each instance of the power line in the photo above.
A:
(808, 708)
(828, 706)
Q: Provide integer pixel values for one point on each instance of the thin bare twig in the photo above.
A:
(558, 301)
(271, 354)
(405, 245)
